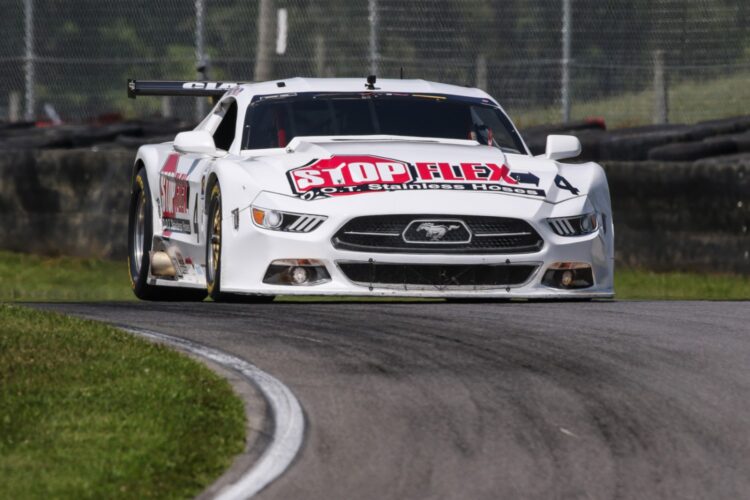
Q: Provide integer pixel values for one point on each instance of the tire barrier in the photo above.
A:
(632, 144)
(65, 202)
(638, 143)
(691, 216)
(131, 142)
(689, 151)
(78, 136)
(681, 216)
(721, 145)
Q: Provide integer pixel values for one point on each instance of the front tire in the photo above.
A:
(140, 238)
(213, 254)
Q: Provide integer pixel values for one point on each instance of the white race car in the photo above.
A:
(363, 187)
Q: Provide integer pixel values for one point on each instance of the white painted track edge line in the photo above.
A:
(288, 425)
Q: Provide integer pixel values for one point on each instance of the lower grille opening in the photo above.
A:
(437, 276)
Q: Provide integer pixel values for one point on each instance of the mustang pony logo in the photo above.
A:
(436, 232)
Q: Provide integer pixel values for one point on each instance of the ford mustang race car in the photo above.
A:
(362, 187)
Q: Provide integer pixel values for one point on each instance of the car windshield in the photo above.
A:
(273, 122)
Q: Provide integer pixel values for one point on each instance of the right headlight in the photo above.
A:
(578, 225)
(286, 221)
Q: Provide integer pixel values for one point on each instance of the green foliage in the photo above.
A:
(87, 411)
(720, 98)
(88, 48)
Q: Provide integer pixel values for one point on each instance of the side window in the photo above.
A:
(224, 134)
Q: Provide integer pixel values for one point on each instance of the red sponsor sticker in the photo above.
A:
(345, 174)
(175, 192)
(353, 174)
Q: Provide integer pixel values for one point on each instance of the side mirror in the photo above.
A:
(560, 147)
(195, 141)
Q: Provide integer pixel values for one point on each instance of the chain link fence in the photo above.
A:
(629, 61)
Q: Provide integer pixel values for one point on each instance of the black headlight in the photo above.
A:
(578, 225)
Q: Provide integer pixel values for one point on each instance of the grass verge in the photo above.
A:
(87, 411)
(690, 101)
(33, 278)
(647, 285)
(25, 277)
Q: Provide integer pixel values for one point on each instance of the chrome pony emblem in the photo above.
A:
(436, 232)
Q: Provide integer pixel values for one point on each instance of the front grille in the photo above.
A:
(437, 276)
(385, 234)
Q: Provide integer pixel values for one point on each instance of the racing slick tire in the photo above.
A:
(140, 238)
(213, 254)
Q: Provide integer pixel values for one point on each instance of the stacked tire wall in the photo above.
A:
(689, 216)
(65, 201)
(682, 216)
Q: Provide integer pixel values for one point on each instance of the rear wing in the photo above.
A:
(172, 88)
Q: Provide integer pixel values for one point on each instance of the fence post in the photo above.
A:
(282, 30)
(14, 106)
(320, 56)
(481, 72)
(265, 41)
(166, 108)
(567, 34)
(200, 56)
(661, 99)
(28, 10)
(372, 6)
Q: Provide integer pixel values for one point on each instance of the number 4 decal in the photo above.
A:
(562, 183)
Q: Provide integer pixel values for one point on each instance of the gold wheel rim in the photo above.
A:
(216, 240)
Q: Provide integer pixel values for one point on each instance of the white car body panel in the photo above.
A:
(269, 178)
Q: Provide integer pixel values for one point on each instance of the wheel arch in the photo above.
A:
(138, 164)
(213, 178)
(147, 158)
(237, 187)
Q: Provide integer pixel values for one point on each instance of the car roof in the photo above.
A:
(298, 85)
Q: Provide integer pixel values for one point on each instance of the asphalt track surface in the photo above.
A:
(494, 400)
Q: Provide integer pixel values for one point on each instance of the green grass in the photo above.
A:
(87, 411)
(34, 278)
(646, 285)
(689, 102)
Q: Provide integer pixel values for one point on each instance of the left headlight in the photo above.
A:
(286, 221)
(578, 225)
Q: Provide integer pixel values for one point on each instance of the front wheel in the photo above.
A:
(140, 237)
(213, 255)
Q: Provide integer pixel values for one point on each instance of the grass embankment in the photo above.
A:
(33, 278)
(689, 102)
(87, 411)
(646, 285)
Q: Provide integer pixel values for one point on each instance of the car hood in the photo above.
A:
(316, 168)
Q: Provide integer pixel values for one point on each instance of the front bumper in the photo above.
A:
(249, 250)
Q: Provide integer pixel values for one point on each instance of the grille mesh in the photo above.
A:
(492, 235)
